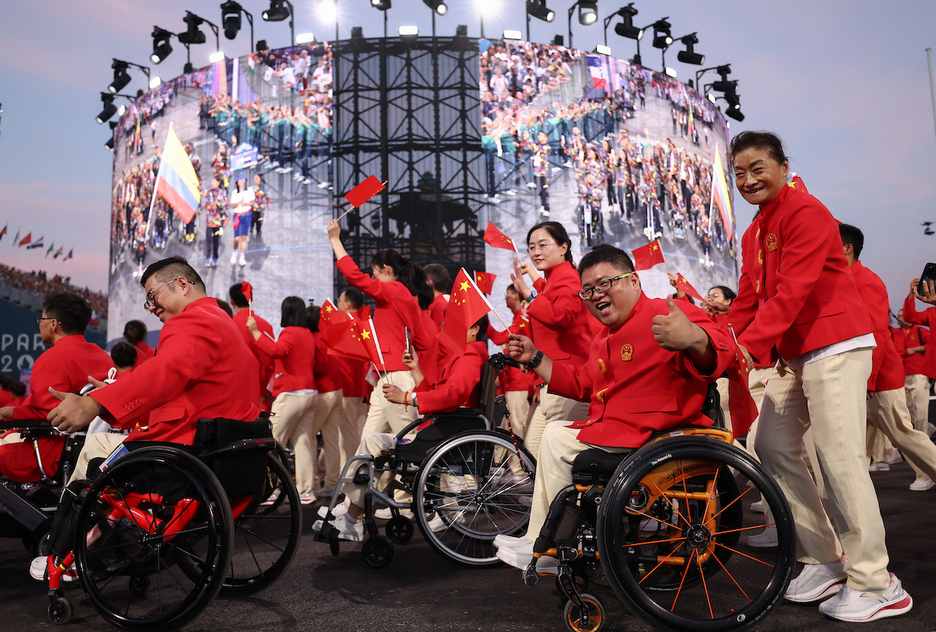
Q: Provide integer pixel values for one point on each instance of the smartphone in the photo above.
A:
(406, 335)
(929, 274)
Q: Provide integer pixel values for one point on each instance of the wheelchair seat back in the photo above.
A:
(236, 451)
(444, 426)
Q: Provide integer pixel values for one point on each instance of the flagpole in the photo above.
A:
(373, 329)
(487, 302)
(149, 217)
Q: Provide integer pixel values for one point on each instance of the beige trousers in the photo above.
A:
(353, 415)
(519, 407)
(551, 408)
(97, 446)
(327, 416)
(888, 412)
(293, 422)
(917, 389)
(385, 416)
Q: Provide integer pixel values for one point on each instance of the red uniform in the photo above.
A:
(144, 352)
(437, 309)
(635, 386)
(808, 302)
(266, 362)
(515, 379)
(6, 398)
(887, 371)
(396, 310)
(327, 375)
(458, 385)
(559, 321)
(926, 318)
(294, 358)
(904, 339)
(65, 366)
(203, 370)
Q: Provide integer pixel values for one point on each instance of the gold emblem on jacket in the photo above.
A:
(627, 352)
(771, 242)
(601, 366)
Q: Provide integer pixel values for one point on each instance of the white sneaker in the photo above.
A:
(531, 185)
(339, 510)
(502, 541)
(307, 498)
(879, 467)
(895, 457)
(347, 530)
(436, 524)
(817, 581)
(766, 540)
(272, 499)
(861, 607)
(322, 184)
(233, 257)
(518, 556)
(243, 260)
(758, 507)
(921, 485)
(39, 566)
(386, 513)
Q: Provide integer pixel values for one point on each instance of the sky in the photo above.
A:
(845, 83)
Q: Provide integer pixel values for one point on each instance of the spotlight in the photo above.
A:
(558, 40)
(193, 34)
(461, 30)
(305, 38)
(409, 31)
(437, 5)
(734, 113)
(662, 37)
(511, 34)
(723, 85)
(689, 56)
(381, 5)
(734, 102)
(262, 45)
(109, 145)
(710, 97)
(109, 108)
(188, 68)
(231, 18)
(121, 110)
(626, 28)
(155, 82)
(161, 46)
(588, 12)
(121, 76)
(601, 49)
(539, 10)
(277, 12)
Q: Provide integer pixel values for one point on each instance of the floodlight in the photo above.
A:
(277, 12)
(437, 5)
(588, 12)
(409, 31)
(121, 110)
(305, 38)
(109, 108)
(539, 10)
(231, 18)
(626, 28)
(192, 35)
(670, 72)
(216, 57)
(710, 97)
(601, 49)
(121, 76)
(511, 34)
(558, 40)
(723, 85)
(689, 56)
(735, 113)
(109, 145)
(155, 82)
(381, 5)
(662, 36)
(161, 46)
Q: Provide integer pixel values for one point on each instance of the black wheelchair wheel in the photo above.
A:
(156, 516)
(60, 612)
(265, 537)
(377, 551)
(688, 570)
(470, 489)
(399, 529)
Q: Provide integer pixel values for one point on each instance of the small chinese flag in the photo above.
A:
(648, 256)
(368, 337)
(740, 403)
(25, 240)
(247, 289)
(684, 286)
(465, 307)
(344, 339)
(329, 315)
(496, 239)
(364, 191)
(485, 281)
(796, 182)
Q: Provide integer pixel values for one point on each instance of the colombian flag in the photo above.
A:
(720, 194)
(176, 181)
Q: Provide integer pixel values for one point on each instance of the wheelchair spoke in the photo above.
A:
(671, 503)
(682, 581)
(660, 563)
(253, 556)
(247, 532)
(752, 527)
(731, 577)
(750, 557)
(708, 599)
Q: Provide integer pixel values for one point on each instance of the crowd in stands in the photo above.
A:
(39, 283)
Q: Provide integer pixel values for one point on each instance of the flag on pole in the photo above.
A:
(648, 256)
(364, 191)
(3, 232)
(36, 244)
(177, 182)
(69, 255)
(485, 281)
(684, 286)
(720, 195)
(247, 290)
(58, 253)
(372, 345)
(465, 307)
(49, 251)
(330, 315)
(25, 240)
(494, 238)
(797, 183)
(342, 333)
(15, 239)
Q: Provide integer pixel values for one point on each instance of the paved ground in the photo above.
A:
(422, 591)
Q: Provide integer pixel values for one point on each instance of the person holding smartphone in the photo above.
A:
(926, 318)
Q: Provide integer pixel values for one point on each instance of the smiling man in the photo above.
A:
(647, 371)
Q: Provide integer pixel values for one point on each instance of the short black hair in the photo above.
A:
(237, 296)
(482, 325)
(18, 389)
(173, 268)
(293, 312)
(852, 235)
(135, 331)
(313, 317)
(605, 253)
(512, 288)
(751, 139)
(124, 355)
(72, 312)
(440, 277)
(354, 296)
(5, 382)
(727, 292)
(226, 307)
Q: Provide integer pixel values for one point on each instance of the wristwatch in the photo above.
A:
(535, 362)
(530, 298)
(415, 405)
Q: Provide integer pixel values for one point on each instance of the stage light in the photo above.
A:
(231, 18)
(262, 45)
(626, 28)
(409, 31)
(558, 40)
(437, 5)
(155, 82)
(662, 36)
(121, 76)
(601, 49)
(588, 12)
(192, 35)
(670, 72)
(188, 68)
(216, 57)
(121, 110)
(689, 56)
(511, 34)
(161, 46)
(328, 11)
(461, 30)
(734, 102)
(277, 12)
(381, 5)
(539, 10)
(109, 145)
(109, 108)
(305, 38)
(723, 85)
(710, 97)
(735, 113)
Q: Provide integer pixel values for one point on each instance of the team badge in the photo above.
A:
(627, 352)
(771, 242)
(601, 366)
(760, 256)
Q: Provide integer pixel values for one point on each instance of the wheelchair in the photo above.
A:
(469, 481)
(164, 528)
(662, 524)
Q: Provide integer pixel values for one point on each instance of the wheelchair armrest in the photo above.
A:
(240, 446)
(11, 424)
(502, 361)
(409, 428)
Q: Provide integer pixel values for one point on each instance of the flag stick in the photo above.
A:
(382, 187)
(379, 352)
(249, 310)
(487, 302)
(346, 212)
(149, 218)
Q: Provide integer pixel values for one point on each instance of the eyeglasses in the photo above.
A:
(151, 295)
(540, 247)
(39, 320)
(601, 287)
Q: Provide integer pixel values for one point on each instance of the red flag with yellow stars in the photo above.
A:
(329, 315)
(345, 339)
(796, 182)
(648, 256)
(684, 286)
(740, 403)
(485, 281)
(247, 290)
(465, 307)
(364, 191)
(371, 344)
(496, 239)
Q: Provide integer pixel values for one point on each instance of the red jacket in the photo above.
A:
(634, 386)
(905, 339)
(266, 362)
(459, 384)
(353, 373)
(203, 370)
(327, 375)
(795, 292)
(515, 379)
(887, 371)
(559, 320)
(437, 310)
(927, 318)
(396, 310)
(294, 357)
(144, 352)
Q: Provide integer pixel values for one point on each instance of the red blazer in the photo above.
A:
(904, 339)
(634, 386)
(144, 352)
(515, 379)
(437, 310)
(795, 292)
(327, 375)
(459, 384)
(266, 362)
(353, 373)
(396, 310)
(887, 371)
(559, 320)
(6, 398)
(203, 370)
(927, 318)
(294, 357)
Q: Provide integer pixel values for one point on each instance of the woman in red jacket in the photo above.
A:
(294, 390)
(393, 288)
(559, 322)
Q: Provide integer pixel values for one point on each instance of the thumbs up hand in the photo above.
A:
(674, 331)
(74, 413)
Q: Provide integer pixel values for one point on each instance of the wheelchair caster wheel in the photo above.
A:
(596, 615)
(61, 611)
(399, 530)
(377, 551)
(334, 547)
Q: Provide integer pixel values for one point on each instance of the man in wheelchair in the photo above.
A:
(648, 371)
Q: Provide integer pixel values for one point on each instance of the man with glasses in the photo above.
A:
(64, 366)
(648, 370)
